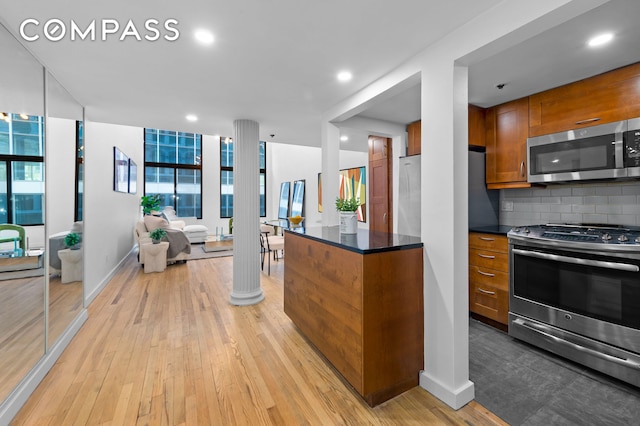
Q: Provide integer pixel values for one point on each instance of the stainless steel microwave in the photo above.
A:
(607, 151)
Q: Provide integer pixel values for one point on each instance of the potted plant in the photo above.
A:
(150, 203)
(72, 241)
(348, 220)
(157, 235)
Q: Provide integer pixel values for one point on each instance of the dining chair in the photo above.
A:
(270, 244)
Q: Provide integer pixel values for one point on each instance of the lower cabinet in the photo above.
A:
(489, 276)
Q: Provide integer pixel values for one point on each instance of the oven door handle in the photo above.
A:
(543, 331)
(628, 267)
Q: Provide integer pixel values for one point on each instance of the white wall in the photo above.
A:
(109, 216)
(288, 163)
(349, 160)
(61, 174)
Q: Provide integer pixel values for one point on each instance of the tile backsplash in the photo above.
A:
(612, 203)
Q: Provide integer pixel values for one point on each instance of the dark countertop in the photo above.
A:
(491, 229)
(364, 242)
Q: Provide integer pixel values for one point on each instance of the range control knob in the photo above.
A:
(516, 229)
(638, 239)
(606, 236)
(623, 238)
(526, 230)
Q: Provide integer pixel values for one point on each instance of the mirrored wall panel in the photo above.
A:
(22, 235)
(64, 189)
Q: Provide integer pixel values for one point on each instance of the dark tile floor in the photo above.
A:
(525, 385)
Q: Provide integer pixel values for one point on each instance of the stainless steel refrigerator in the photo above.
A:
(483, 203)
(409, 196)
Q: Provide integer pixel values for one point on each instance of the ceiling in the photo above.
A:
(276, 61)
(553, 58)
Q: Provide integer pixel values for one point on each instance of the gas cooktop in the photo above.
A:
(580, 233)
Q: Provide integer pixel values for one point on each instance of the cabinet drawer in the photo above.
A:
(490, 242)
(489, 301)
(490, 277)
(486, 259)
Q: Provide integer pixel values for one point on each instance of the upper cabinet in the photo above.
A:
(476, 126)
(415, 133)
(604, 98)
(507, 128)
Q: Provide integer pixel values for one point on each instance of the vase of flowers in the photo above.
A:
(347, 208)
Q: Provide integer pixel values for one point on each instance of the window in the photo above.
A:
(79, 169)
(226, 177)
(173, 169)
(21, 169)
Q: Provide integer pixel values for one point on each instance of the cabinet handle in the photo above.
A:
(486, 256)
(588, 120)
(486, 274)
(487, 239)
(492, 293)
(522, 169)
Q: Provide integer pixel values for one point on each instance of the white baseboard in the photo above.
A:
(91, 296)
(456, 398)
(19, 396)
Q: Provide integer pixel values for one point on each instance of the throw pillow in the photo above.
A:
(154, 222)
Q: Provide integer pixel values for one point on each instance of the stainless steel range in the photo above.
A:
(575, 291)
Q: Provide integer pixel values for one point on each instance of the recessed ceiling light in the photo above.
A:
(601, 39)
(204, 36)
(344, 76)
(344, 138)
(191, 117)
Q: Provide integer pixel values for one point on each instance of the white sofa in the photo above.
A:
(141, 235)
(195, 232)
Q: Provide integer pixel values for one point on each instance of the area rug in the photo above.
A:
(197, 252)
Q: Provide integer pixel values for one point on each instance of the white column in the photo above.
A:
(444, 233)
(330, 171)
(246, 214)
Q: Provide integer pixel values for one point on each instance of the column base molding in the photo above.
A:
(246, 299)
(454, 398)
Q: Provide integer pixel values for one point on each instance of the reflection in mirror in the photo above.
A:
(22, 283)
(284, 207)
(297, 202)
(64, 207)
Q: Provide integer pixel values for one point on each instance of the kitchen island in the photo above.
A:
(358, 299)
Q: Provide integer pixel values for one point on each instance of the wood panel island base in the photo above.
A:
(358, 300)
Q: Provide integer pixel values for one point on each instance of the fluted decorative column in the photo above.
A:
(246, 214)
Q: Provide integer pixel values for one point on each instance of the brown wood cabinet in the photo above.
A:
(415, 138)
(476, 126)
(489, 276)
(604, 98)
(363, 312)
(507, 129)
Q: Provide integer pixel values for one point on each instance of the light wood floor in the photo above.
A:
(22, 323)
(21, 329)
(168, 349)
